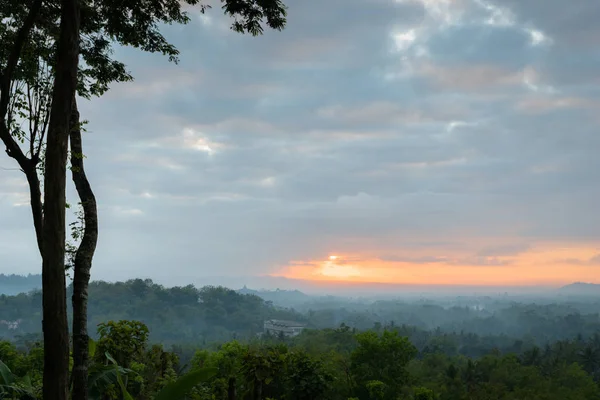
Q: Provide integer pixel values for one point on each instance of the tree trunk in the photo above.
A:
(55, 325)
(231, 394)
(83, 261)
(258, 390)
(12, 147)
(35, 195)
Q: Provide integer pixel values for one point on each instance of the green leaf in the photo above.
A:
(6, 375)
(26, 381)
(91, 348)
(126, 395)
(109, 358)
(178, 389)
(105, 374)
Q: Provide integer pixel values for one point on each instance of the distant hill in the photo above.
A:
(581, 288)
(14, 284)
(282, 298)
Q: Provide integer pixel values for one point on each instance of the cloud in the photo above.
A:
(485, 261)
(473, 260)
(416, 260)
(592, 261)
(470, 78)
(404, 132)
(545, 104)
(512, 249)
(595, 260)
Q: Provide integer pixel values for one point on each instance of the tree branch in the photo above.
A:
(12, 147)
(15, 54)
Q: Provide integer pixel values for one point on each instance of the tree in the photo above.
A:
(421, 393)
(382, 358)
(19, 20)
(261, 367)
(532, 356)
(590, 359)
(125, 340)
(134, 24)
(82, 258)
(228, 363)
(55, 326)
(376, 389)
(306, 378)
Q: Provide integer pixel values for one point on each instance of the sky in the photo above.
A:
(413, 141)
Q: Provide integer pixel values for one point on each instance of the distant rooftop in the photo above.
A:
(285, 324)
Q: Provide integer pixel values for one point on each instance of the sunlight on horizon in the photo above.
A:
(545, 264)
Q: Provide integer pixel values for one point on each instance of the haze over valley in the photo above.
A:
(393, 149)
(299, 200)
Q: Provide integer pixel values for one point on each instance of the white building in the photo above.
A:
(277, 327)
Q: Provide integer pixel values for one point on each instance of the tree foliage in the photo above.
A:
(289, 371)
(41, 73)
(379, 363)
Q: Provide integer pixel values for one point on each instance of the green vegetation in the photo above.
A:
(189, 316)
(332, 364)
(174, 315)
(153, 342)
(52, 53)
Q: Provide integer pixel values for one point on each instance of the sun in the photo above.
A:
(333, 268)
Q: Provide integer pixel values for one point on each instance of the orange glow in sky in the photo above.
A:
(542, 264)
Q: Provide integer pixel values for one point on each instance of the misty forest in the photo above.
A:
(65, 334)
(144, 336)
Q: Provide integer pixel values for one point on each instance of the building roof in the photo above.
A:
(285, 324)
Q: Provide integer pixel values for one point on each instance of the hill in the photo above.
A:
(14, 284)
(175, 315)
(213, 314)
(281, 298)
(581, 288)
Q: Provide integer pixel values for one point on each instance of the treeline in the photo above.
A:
(330, 364)
(214, 314)
(175, 315)
(14, 284)
(533, 321)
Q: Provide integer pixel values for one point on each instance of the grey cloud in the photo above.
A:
(484, 262)
(504, 250)
(503, 47)
(314, 149)
(593, 261)
(572, 30)
(478, 260)
(574, 25)
(416, 260)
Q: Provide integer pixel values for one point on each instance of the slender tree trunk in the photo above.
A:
(55, 325)
(35, 195)
(231, 393)
(12, 147)
(83, 261)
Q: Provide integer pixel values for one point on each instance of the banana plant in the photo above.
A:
(181, 387)
(113, 373)
(13, 387)
(102, 376)
(175, 390)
